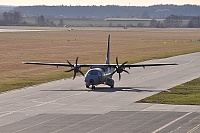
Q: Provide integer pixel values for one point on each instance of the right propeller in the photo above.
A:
(120, 68)
(75, 68)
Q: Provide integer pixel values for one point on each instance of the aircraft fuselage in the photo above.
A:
(96, 76)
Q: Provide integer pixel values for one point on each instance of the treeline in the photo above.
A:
(172, 21)
(16, 18)
(110, 11)
(195, 22)
(42, 21)
(11, 18)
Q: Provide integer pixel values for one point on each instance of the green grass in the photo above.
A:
(185, 94)
(25, 82)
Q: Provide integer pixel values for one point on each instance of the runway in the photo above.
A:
(18, 30)
(67, 106)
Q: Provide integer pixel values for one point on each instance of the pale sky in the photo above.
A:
(97, 2)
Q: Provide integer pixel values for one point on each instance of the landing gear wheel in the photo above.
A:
(93, 87)
(87, 86)
(112, 86)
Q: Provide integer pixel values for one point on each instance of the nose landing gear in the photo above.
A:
(93, 87)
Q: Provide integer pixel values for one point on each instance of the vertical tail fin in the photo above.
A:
(108, 51)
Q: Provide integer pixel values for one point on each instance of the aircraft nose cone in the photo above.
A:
(91, 80)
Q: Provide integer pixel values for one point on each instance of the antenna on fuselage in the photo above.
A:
(108, 51)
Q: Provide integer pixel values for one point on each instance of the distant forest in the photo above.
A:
(157, 16)
(110, 11)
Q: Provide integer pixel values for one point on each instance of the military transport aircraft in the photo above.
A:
(99, 73)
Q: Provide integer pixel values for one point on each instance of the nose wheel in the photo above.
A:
(93, 87)
(87, 86)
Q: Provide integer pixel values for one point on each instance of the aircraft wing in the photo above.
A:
(119, 68)
(147, 65)
(66, 64)
(48, 64)
(91, 65)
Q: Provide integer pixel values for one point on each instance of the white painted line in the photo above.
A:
(194, 129)
(37, 124)
(159, 129)
(41, 104)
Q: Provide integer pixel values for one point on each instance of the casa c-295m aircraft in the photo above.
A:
(99, 73)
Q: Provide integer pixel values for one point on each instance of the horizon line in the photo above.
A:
(102, 5)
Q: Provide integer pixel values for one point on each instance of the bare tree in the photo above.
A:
(173, 21)
(194, 22)
(10, 18)
(61, 23)
(40, 20)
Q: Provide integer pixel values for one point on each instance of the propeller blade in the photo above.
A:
(117, 61)
(108, 39)
(69, 70)
(126, 71)
(70, 63)
(113, 72)
(119, 76)
(76, 61)
(81, 72)
(124, 63)
(74, 75)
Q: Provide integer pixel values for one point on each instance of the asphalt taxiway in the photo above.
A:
(66, 106)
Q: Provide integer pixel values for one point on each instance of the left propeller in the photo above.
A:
(75, 68)
(119, 68)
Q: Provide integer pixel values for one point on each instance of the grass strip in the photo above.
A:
(30, 81)
(185, 94)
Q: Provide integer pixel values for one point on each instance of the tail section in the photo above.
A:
(108, 51)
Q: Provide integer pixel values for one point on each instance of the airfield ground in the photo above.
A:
(185, 94)
(89, 44)
(67, 106)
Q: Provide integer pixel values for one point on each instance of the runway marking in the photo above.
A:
(194, 129)
(62, 129)
(37, 124)
(41, 104)
(18, 97)
(159, 129)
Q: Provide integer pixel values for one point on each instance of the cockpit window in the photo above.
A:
(94, 72)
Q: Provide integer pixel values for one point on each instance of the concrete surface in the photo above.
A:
(67, 106)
